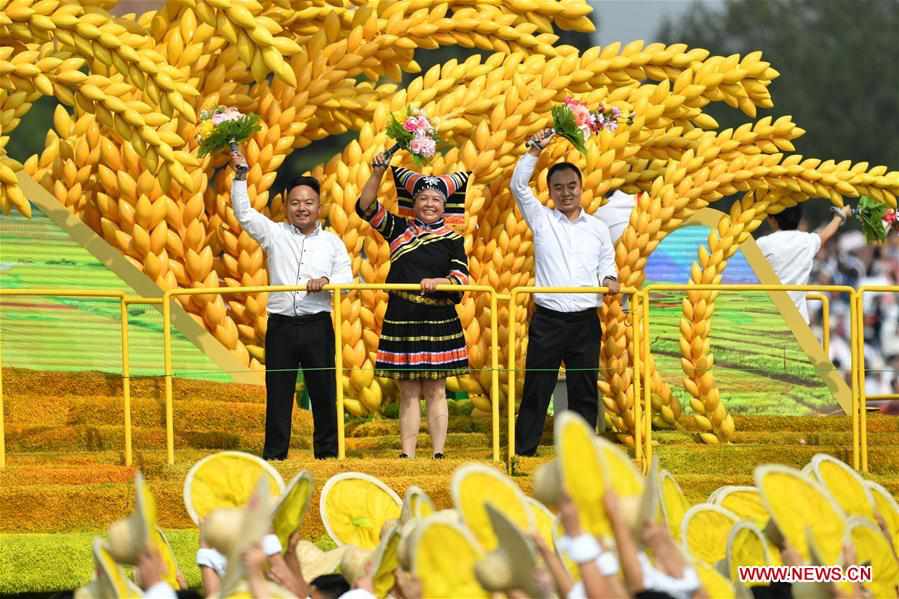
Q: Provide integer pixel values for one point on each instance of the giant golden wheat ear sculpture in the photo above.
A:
(122, 153)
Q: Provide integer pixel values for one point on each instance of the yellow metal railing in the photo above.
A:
(512, 369)
(859, 348)
(119, 295)
(825, 319)
(857, 418)
(338, 354)
(640, 317)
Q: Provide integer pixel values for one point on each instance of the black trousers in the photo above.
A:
(307, 342)
(555, 338)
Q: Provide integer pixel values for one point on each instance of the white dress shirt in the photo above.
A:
(576, 253)
(792, 255)
(160, 590)
(616, 213)
(293, 258)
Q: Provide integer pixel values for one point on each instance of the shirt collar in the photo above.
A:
(562, 217)
(315, 231)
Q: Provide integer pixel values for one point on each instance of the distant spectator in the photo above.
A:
(791, 252)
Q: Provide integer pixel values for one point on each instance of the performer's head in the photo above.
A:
(328, 586)
(786, 220)
(564, 181)
(429, 199)
(303, 204)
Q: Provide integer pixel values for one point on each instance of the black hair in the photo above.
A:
(788, 220)
(331, 585)
(304, 180)
(563, 166)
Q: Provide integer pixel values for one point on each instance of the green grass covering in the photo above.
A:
(759, 366)
(36, 563)
(72, 334)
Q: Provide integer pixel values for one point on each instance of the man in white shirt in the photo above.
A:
(300, 332)
(791, 252)
(571, 249)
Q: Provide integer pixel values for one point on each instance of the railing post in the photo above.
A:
(338, 370)
(825, 318)
(510, 391)
(167, 367)
(858, 377)
(126, 377)
(862, 401)
(494, 373)
(2, 420)
(647, 375)
(636, 340)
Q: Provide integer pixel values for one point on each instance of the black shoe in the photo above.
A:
(403, 456)
(439, 456)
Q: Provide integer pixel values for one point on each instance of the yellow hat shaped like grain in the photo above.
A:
(744, 501)
(705, 529)
(110, 580)
(255, 522)
(292, 506)
(314, 562)
(674, 503)
(511, 566)
(385, 561)
(583, 474)
(129, 537)
(443, 558)
(226, 479)
(354, 508)
(416, 504)
(475, 484)
(746, 546)
(844, 484)
(796, 503)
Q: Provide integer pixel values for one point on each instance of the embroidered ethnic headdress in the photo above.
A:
(453, 187)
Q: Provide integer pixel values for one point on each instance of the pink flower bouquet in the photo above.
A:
(224, 127)
(415, 134)
(576, 123)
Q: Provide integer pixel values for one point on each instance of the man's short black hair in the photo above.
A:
(563, 166)
(788, 220)
(307, 181)
(331, 585)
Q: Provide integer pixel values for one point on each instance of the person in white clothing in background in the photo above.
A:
(616, 213)
(299, 332)
(791, 252)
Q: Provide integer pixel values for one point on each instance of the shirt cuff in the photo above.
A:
(577, 591)
(608, 564)
(212, 559)
(583, 548)
(271, 545)
(160, 590)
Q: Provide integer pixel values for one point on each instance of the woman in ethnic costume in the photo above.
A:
(421, 342)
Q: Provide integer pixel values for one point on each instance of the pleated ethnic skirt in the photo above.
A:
(420, 341)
